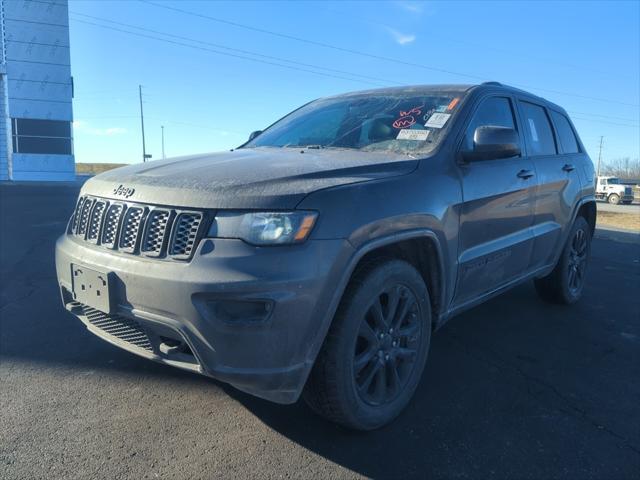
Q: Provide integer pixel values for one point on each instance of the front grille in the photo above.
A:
(185, 232)
(130, 229)
(95, 222)
(83, 216)
(123, 328)
(154, 232)
(135, 228)
(111, 224)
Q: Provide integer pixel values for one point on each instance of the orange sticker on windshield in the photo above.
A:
(453, 103)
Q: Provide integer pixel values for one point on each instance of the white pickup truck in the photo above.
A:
(611, 190)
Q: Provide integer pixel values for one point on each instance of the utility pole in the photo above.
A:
(144, 148)
(163, 156)
(599, 157)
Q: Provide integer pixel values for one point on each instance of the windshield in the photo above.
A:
(613, 181)
(409, 123)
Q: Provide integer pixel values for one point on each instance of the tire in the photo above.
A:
(565, 283)
(352, 382)
(627, 202)
(614, 199)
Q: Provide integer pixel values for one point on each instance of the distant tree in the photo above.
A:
(624, 168)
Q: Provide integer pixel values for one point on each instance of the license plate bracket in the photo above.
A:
(91, 287)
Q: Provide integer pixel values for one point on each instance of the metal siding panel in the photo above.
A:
(20, 70)
(40, 90)
(54, 11)
(4, 151)
(44, 176)
(24, 32)
(39, 80)
(40, 110)
(33, 51)
(31, 162)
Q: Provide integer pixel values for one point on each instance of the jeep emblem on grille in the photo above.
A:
(124, 191)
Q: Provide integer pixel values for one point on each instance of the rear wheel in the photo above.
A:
(627, 202)
(375, 352)
(614, 199)
(565, 283)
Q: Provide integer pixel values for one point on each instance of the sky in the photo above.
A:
(214, 71)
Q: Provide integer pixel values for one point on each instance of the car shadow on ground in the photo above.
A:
(512, 388)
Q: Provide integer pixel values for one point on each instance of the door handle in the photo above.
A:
(568, 167)
(524, 174)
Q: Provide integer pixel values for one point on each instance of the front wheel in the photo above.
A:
(565, 283)
(614, 199)
(376, 349)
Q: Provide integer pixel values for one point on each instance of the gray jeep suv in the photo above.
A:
(317, 258)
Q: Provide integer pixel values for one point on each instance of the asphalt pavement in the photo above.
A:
(514, 388)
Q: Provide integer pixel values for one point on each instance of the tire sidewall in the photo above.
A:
(394, 272)
(569, 296)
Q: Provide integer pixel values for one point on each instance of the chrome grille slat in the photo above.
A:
(76, 215)
(95, 221)
(112, 224)
(155, 232)
(131, 229)
(184, 235)
(83, 220)
(137, 228)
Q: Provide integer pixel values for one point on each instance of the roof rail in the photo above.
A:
(498, 84)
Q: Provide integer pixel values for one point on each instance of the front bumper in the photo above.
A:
(253, 317)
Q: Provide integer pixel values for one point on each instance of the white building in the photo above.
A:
(36, 89)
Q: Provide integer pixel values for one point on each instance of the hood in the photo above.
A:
(250, 178)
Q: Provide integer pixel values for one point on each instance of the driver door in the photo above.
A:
(495, 238)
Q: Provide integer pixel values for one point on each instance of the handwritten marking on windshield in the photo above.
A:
(407, 118)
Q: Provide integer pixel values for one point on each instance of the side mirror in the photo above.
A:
(491, 142)
(254, 134)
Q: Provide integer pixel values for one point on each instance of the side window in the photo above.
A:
(493, 111)
(566, 136)
(538, 130)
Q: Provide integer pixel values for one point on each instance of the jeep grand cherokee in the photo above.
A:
(317, 258)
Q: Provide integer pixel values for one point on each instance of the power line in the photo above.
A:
(152, 37)
(247, 52)
(291, 67)
(370, 55)
(604, 121)
(603, 116)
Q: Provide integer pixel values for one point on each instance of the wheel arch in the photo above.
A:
(422, 251)
(379, 248)
(589, 211)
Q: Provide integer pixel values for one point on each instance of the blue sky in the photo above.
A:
(584, 56)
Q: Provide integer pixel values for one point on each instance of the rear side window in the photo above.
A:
(566, 136)
(493, 111)
(538, 130)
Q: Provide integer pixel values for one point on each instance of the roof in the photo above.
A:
(447, 88)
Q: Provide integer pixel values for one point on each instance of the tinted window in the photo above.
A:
(41, 128)
(494, 111)
(538, 130)
(410, 123)
(41, 136)
(56, 146)
(565, 133)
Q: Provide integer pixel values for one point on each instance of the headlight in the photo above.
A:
(264, 228)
